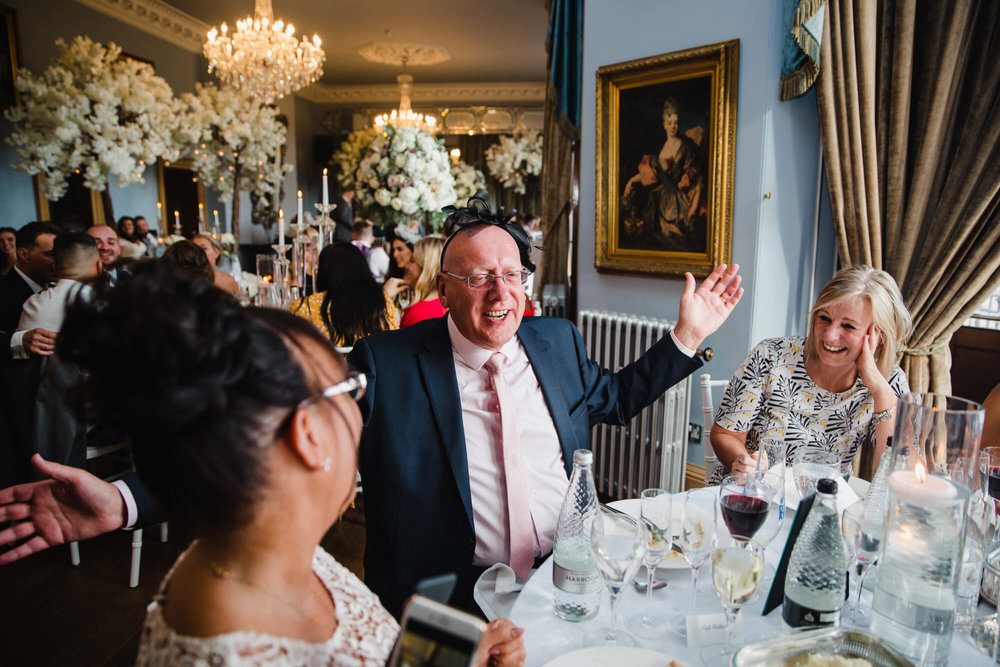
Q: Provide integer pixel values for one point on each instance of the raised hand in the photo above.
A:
(72, 506)
(868, 368)
(703, 310)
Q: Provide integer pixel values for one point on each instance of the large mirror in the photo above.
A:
(180, 190)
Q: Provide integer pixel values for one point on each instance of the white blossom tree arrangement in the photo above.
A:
(349, 155)
(95, 113)
(405, 171)
(514, 158)
(236, 140)
(468, 180)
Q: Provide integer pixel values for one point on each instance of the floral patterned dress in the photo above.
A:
(772, 396)
(364, 636)
(309, 308)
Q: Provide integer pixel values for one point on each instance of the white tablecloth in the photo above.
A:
(548, 636)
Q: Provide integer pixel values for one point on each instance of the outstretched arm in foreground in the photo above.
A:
(71, 506)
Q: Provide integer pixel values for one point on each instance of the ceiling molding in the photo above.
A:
(156, 18)
(425, 93)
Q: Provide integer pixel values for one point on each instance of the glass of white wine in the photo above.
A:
(656, 513)
(736, 574)
(618, 542)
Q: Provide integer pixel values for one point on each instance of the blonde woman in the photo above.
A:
(213, 251)
(420, 275)
(836, 389)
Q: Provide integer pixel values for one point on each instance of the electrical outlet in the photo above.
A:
(694, 432)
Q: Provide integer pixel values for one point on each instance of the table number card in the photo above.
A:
(708, 629)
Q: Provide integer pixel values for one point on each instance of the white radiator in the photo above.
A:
(650, 451)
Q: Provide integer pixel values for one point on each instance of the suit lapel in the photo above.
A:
(437, 371)
(547, 371)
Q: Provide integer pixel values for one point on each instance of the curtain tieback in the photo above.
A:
(922, 351)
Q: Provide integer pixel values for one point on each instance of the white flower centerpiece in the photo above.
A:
(236, 139)
(92, 112)
(514, 158)
(405, 171)
(349, 155)
(468, 180)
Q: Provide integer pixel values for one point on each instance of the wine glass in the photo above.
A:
(863, 539)
(618, 542)
(736, 574)
(811, 465)
(744, 505)
(697, 539)
(655, 512)
(771, 455)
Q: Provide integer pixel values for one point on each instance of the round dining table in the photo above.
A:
(548, 637)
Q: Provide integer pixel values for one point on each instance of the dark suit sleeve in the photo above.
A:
(150, 512)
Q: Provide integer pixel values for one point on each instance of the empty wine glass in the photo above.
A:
(656, 514)
(618, 542)
(771, 454)
(863, 539)
(736, 574)
(744, 506)
(811, 465)
(697, 538)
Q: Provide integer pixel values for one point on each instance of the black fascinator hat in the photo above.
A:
(477, 212)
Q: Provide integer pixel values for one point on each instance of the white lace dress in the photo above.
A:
(364, 636)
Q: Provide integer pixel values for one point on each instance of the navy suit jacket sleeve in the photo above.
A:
(413, 461)
(150, 512)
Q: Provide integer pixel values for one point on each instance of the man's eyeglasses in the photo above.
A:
(353, 386)
(484, 281)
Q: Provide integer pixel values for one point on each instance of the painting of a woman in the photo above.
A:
(663, 206)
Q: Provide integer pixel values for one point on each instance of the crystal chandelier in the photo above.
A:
(262, 57)
(404, 116)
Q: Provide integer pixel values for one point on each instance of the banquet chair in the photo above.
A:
(707, 419)
(122, 452)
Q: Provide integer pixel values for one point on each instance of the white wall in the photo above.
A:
(777, 152)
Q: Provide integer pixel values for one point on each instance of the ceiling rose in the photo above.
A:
(262, 56)
(394, 53)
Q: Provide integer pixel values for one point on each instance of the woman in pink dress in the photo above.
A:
(421, 276)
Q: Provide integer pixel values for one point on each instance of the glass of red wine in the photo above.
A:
(745, 504)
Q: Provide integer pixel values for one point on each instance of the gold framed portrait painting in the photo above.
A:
(666, 144)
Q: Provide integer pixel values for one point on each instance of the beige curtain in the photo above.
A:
(909, 106)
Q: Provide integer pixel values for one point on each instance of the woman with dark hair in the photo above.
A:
(421, 277)
(132, 247)
(240, 420)
(187, 258)
(401, 240)
(348, 303)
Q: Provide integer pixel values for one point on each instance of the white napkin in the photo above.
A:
(496, 591)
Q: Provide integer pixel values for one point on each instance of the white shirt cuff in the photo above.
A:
(131, 511)
(17, 350)
(687, 351)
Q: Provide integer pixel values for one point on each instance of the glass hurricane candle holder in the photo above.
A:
(936, 446)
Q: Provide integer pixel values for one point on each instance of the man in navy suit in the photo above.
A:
(435, 501)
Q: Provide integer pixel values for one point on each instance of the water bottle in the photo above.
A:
(814, 586)
(875, 498)
(576, 583)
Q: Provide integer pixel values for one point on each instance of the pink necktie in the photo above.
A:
(522, 545)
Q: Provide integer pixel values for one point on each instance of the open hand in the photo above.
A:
(867, 366)
(703, 310)
(72, 506)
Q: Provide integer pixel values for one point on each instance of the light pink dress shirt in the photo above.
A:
(540, 449)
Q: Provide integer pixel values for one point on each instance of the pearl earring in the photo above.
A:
(327, 464)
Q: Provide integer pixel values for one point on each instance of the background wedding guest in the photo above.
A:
(111, 253)
(144, 235)
(189, 259)
(8, 246)
(421, 277)
(33, 271)
(363, 236)
(401, 239)
(213, 252)
(131, 246)
(834, 390)
(349, 304)
(78, 268)
(343, 216)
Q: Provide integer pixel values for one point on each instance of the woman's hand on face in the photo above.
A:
(393, 286)
(867, 366)
(502, 645)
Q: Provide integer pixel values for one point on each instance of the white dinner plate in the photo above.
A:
(613, 656)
